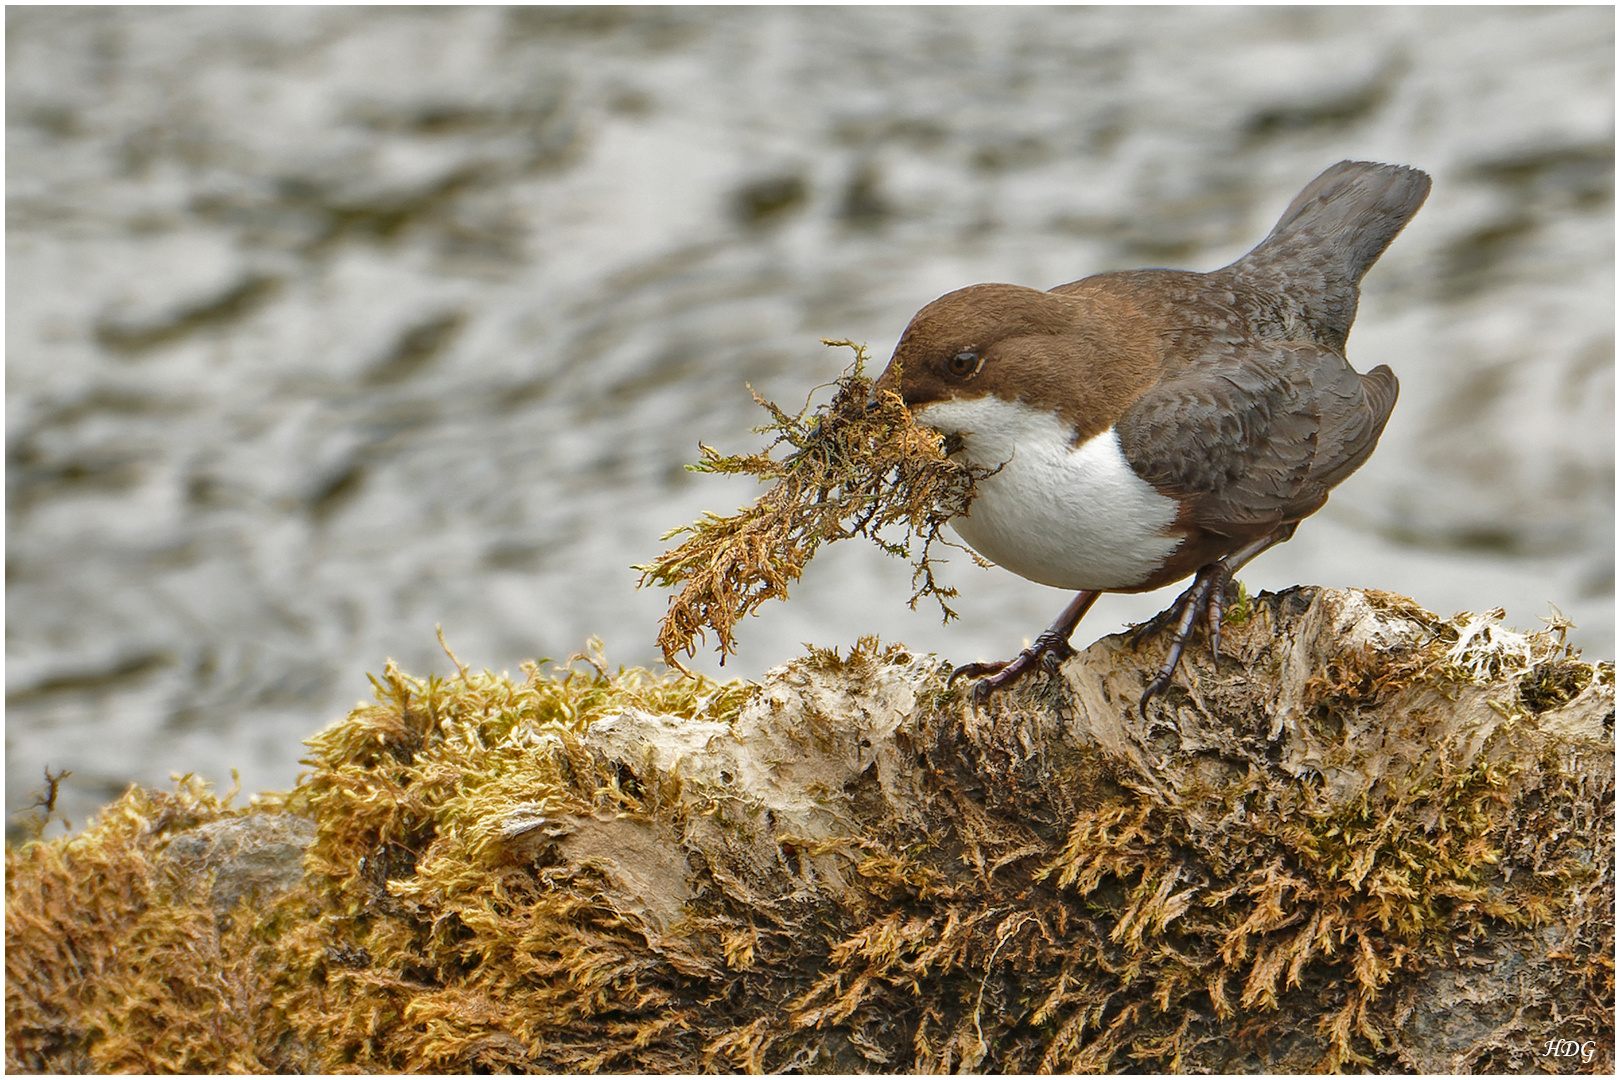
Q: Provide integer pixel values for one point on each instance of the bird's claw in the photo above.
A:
(1142, 631)
(974, 671)
(1053, 656)
(1205, 596)
(1160, 682)
(1047, 653)
(1217, 605)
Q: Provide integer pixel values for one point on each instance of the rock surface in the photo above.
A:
(1360, 837)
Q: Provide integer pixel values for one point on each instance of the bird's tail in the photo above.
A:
(1330, 235)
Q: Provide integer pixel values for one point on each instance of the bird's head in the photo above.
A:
(984, 339)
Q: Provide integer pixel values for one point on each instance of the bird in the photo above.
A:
(1143, 426)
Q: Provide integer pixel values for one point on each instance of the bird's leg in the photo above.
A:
(1217, 605)
(1048, 651)
(1208, 591)
(1190, 603)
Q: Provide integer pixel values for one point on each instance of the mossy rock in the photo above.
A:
(1362, 838)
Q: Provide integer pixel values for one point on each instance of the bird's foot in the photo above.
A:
(1047, 653)
(1151, 628)
(1206, 596)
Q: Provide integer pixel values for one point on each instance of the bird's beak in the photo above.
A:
(887, 383)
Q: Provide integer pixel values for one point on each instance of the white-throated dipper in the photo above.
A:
(1150, 424)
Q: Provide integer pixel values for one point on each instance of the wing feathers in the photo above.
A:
(1257, 439)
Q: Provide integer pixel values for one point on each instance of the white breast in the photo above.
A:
(1075, 517)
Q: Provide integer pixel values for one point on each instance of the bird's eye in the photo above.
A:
(965, 363)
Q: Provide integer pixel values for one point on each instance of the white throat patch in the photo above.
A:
(1074, 517)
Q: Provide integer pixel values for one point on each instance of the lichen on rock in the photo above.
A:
(1362, 837)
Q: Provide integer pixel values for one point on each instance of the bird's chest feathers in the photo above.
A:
(1074, 517)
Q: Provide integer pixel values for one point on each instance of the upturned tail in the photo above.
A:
(1329, 236)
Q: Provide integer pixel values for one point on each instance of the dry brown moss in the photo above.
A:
(114, 965)
(440, 948)
(856, 467)
(842, 868)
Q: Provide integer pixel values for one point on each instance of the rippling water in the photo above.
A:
(330, 325)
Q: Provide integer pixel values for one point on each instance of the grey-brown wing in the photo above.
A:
(1256, 439)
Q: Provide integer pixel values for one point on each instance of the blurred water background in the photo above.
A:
(328, 325)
